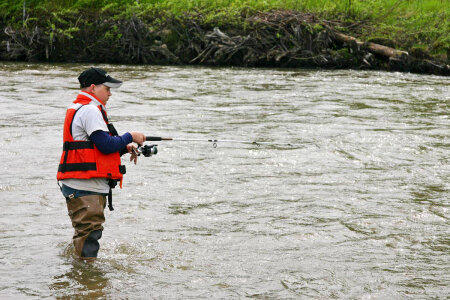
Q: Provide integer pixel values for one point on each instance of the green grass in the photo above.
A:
(410, 23)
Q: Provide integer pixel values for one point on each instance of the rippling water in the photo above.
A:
(361, 210)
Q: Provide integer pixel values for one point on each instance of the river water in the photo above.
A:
(359, 210)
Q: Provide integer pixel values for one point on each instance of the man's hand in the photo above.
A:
(138, 137)
(131, 148)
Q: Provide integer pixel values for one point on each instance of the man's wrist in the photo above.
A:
(128, 137)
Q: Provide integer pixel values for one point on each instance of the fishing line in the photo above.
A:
(216, 141)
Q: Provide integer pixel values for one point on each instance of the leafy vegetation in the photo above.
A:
(408, 24)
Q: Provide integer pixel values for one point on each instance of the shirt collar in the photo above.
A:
(93, 98)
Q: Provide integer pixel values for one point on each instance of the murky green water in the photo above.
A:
(360, 211)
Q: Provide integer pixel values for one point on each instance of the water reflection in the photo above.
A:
(81, 281)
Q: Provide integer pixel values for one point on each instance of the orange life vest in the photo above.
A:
(82, 159)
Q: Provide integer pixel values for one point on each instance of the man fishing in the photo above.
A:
(90, 164)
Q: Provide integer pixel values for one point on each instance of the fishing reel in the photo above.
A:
(147, 150)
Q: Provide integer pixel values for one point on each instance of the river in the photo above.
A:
(359, 210)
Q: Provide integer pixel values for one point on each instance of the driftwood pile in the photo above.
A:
(276, 39)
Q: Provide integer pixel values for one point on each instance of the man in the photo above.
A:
(90, 164)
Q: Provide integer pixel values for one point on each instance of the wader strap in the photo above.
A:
(110, 126)
(110, 206)
(112, 129)
(105, 117)
(112, 184)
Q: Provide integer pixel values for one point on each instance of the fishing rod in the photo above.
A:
(149, 150)
(215, 141)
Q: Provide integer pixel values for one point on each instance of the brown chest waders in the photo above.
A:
(87, 216)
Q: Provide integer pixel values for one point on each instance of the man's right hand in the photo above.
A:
(138, 137)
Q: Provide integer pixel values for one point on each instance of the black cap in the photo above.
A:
(97, 76)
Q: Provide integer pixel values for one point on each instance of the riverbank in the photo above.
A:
(236, 35)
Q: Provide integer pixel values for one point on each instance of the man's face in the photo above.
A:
(102, 92)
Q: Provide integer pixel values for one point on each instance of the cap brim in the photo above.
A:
(113, 84)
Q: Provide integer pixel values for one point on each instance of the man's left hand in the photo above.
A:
(131, 148)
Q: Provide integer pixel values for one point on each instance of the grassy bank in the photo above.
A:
(283, 33)
(422, 24)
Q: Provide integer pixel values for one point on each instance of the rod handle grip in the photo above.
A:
(153, 138)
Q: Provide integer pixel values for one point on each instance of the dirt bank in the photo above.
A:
(275, 39)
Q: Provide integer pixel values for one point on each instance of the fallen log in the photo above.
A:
(372, 47)
(385, 50)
